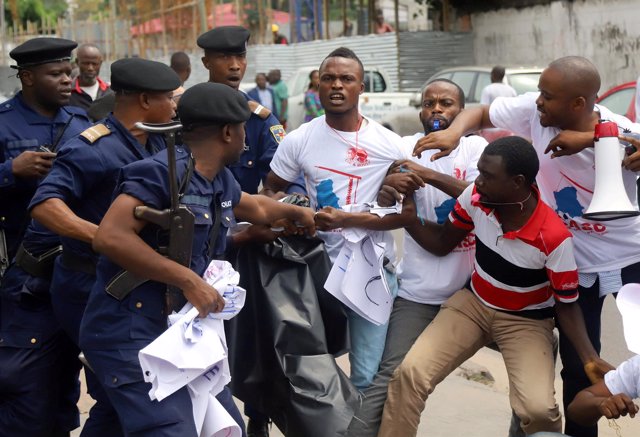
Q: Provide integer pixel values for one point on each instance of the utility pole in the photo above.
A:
(203, 16)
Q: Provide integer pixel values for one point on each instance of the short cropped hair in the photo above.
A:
(460, 91)
(343, 52)
(518, 156)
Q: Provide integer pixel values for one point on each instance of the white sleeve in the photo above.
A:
(475, 147)
(286, 162)
(514, 113)
(625, 379)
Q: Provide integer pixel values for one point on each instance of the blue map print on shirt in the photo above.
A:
(567, 201)
(443, 210)
(325, 195)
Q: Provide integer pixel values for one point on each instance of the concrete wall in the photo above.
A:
(605, 31)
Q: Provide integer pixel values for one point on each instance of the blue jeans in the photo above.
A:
(367, 342)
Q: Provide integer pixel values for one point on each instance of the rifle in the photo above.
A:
(178, 220)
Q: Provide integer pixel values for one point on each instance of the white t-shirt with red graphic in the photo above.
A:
(426, 278)
(566, 185)
(340, 168)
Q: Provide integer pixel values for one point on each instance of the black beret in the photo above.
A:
(213, 103)
(38, 51)
(137, 74)
(225, 39)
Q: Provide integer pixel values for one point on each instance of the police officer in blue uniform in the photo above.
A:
(114, 331)
(73, 198)
(31, 124)
(37, 378)
(225, 56)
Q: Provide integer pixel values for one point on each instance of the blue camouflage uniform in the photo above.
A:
(23, 129)
(263, 134)
(113, 331)
(84, 176)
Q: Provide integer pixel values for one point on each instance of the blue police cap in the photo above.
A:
(212, 103)
(38, 51)
(137, 74)
(225, 39)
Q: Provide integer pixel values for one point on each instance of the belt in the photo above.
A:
(38, 266)
(78, 263)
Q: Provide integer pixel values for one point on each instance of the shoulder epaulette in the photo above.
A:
(95, 132)
(259, 110)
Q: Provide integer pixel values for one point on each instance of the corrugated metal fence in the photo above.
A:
(421, 54)
(408, 58)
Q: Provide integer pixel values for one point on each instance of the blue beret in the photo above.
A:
(212, 103)
(225, 39)
(38, 51)
(137, 74)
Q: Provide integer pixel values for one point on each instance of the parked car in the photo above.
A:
(377, 101)
(621, 100)
(472, 80)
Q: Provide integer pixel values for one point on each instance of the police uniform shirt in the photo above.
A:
(262, 139)
(138, 319)
(23, 129)
(86, 170)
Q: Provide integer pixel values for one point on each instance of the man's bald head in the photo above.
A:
(580, 77)
(89, 60)
(88, 50)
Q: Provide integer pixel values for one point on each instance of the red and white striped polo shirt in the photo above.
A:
(519, 270)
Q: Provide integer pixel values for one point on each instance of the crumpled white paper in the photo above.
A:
(193, 352)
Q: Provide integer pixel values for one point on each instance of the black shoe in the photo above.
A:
(257, 428)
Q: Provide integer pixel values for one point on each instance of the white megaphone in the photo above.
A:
(610, 201)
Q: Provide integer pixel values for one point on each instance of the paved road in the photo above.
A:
(463, 407)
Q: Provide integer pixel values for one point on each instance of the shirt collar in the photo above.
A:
(531, 228)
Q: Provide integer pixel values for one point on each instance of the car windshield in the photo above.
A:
(524, 82)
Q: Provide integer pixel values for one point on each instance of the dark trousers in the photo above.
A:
(69, 294)
(120, 372)
(574, 378)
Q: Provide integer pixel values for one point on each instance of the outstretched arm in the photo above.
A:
(571, 320)
(262, 210)
(469, 120)
(596, 401)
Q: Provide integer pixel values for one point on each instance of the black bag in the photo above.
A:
(283, 344)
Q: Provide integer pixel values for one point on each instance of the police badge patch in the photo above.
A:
(278, 132)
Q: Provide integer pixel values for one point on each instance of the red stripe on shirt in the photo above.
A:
(507, 299)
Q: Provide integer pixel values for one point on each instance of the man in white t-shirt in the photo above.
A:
(497, 88)
(417, 304)
(561, 120)
(88, 86)
(344, 157)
